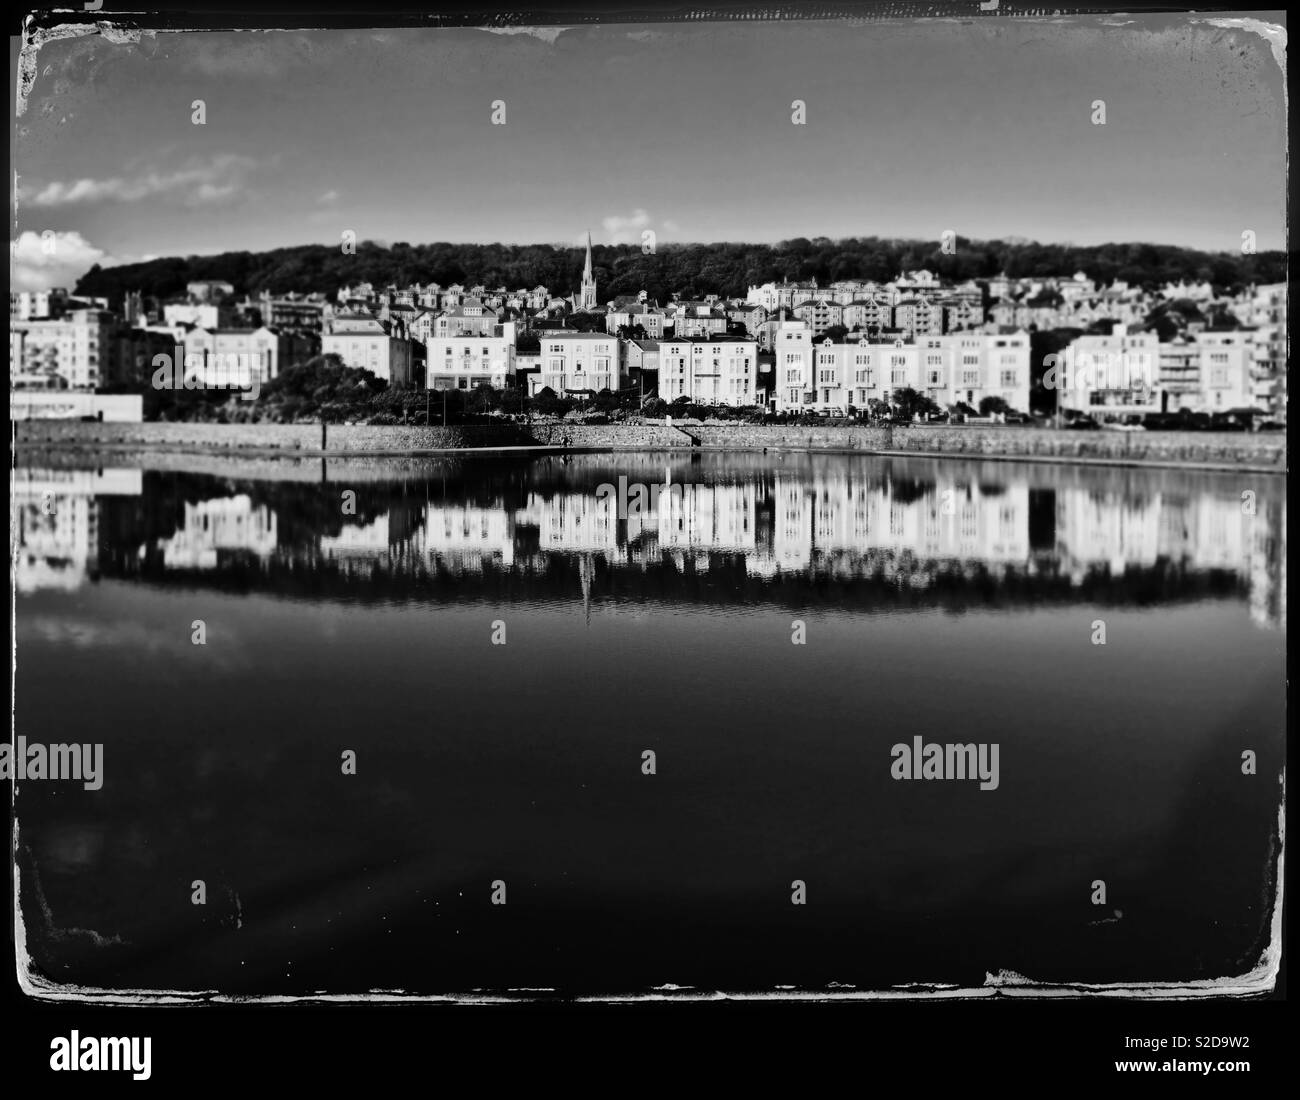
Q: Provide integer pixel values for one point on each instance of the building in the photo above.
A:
(306, 312)
(648, 315)
(34, 305)
(469, 317)
(207, 315)
(463, 362)
(919, 316)
(792, 364)
(709, 370)
(819, 314)
(693, 319)
(362, 340)
(235, 356)
(868, 313)
(578, 363)
(747, 314)
(1128, 373)
(75, 351)
(813, 375)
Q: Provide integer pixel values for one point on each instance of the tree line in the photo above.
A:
(691, 270)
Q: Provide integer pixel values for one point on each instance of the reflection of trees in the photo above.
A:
(909, 490)
(880, 581)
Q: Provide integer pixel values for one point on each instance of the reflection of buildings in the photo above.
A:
(1203, 532)
(220, 525)
(391, 540)
(1268, 568)
(815, 522)
(57, 523)
(702, 518)
(572, 521)
(888, 529)
(467, 537)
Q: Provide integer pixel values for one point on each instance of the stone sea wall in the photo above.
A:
(1265, 450)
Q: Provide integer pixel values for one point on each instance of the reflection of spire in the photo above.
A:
(585, 571)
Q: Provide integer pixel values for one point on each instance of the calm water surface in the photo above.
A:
(953, 601)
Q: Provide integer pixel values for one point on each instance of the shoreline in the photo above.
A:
(295, 454)
(1211, 452)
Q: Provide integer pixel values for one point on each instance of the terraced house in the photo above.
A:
(815, 375)
(710, 370)
(1133, 373)
(464, 361)
(580, 363)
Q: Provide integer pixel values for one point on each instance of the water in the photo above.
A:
(953, 601)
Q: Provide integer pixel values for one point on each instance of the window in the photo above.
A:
(1008, 379)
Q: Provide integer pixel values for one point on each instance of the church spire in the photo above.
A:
(588, 280)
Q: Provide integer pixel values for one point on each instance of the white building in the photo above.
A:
(235, 357)
(464, 362)
(709, 370)
(577, 362)
(817, 375)
(362, 340)
(1133, 373)
(71, 352)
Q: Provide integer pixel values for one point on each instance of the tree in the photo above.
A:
(908, 404)
(993, 406)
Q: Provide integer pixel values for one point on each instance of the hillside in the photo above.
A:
(693, 269)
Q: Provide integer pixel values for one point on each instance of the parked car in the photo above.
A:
(1082, 423)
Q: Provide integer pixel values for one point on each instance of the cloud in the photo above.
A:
(195, 184)
(627, 228)
(328, 197)
(38, 264)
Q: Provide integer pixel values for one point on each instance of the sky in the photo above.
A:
(985, 127)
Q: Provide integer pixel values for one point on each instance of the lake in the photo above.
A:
(411, 752)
